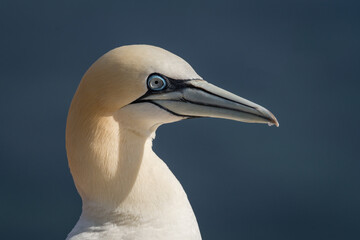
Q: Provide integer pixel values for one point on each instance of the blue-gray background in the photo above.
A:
(300, 59)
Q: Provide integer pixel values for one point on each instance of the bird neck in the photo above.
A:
(115, 170)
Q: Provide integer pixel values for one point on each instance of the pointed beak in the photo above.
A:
(198, 98)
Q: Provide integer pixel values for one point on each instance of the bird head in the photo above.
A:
(121, 100)
(147, 86)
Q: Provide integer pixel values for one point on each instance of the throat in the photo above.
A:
(123, 183)
(119, 175)
(151, 191)
(156, 204)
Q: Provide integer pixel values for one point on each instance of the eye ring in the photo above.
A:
(156, 82)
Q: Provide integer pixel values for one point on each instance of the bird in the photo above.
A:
(127, 191)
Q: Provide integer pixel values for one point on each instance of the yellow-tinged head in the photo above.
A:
(137, 88)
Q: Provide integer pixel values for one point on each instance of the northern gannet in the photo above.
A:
(127, 191)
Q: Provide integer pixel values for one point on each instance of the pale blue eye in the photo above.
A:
(156, 82)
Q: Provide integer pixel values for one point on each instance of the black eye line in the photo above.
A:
(171, 85)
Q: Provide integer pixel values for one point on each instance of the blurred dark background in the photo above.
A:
(300, 59)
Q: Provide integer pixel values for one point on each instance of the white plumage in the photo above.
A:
(127, 191)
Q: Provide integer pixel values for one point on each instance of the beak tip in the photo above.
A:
(271, 119)
(275, 121)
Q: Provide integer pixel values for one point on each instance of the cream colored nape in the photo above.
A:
(126, 190)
